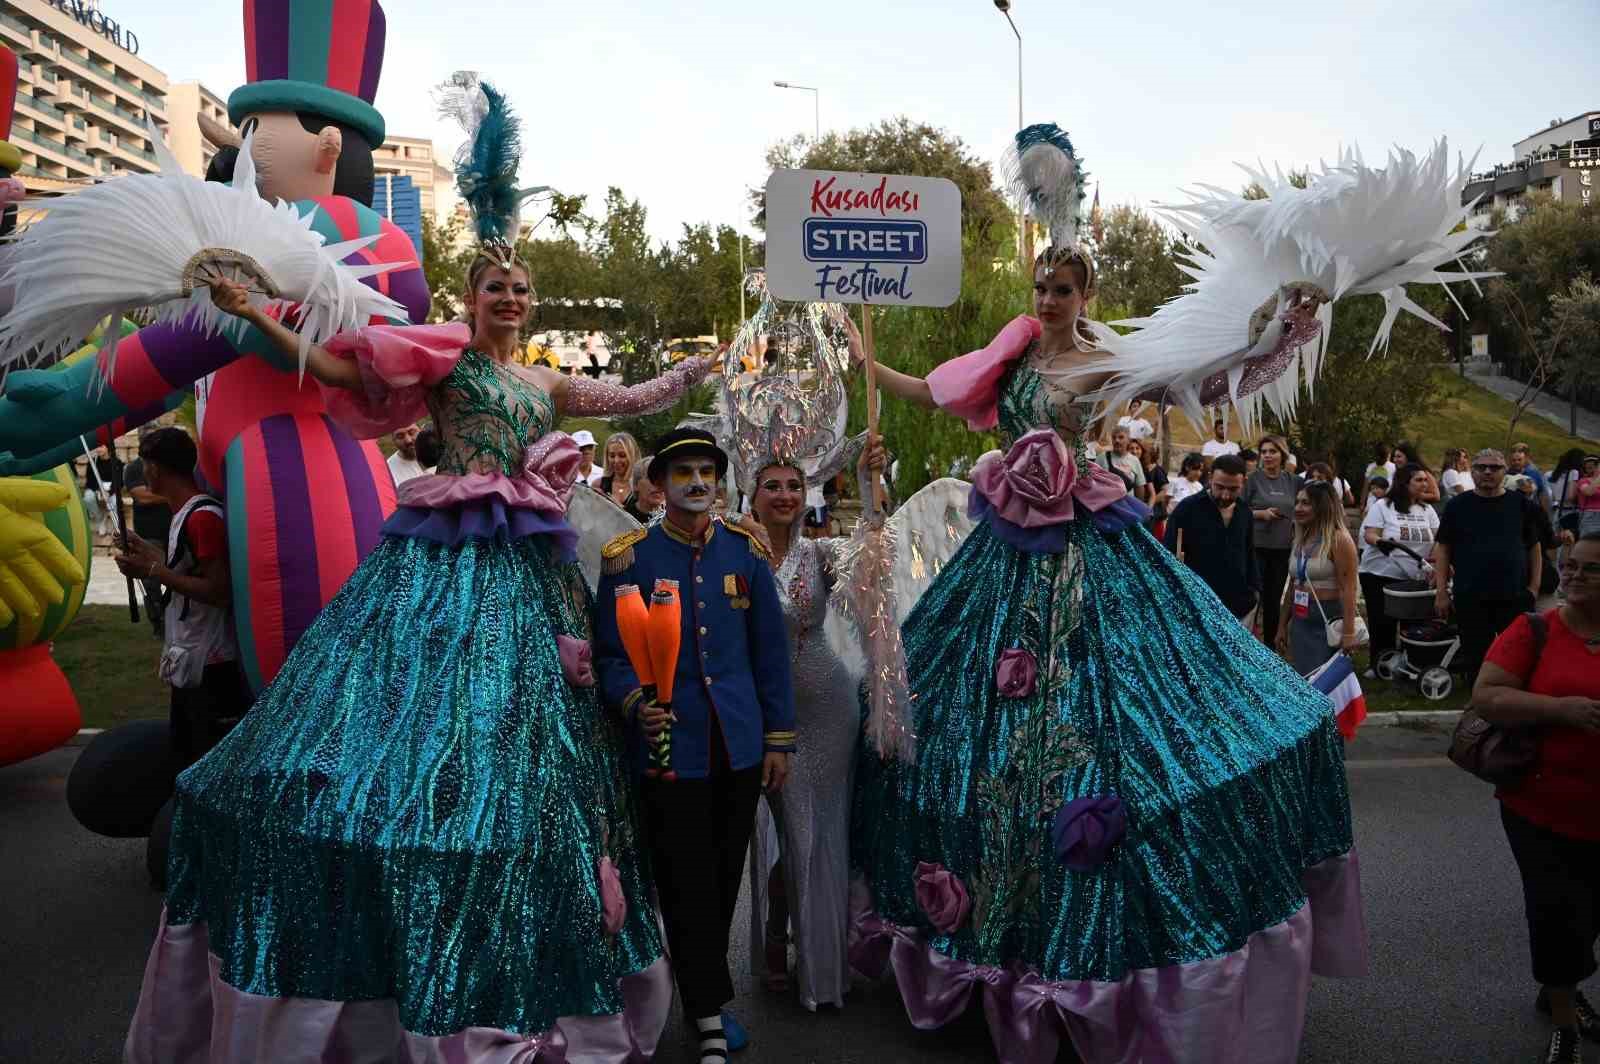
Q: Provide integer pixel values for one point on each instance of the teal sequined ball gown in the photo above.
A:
(1126, 822)
(416, 845)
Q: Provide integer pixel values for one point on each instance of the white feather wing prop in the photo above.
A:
(150, 242)
(1254, 321)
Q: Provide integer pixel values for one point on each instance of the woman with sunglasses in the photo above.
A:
(1552, 815)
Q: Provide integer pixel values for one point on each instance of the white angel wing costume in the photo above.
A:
(925, 532)
(1254, 321)
(598, 521)
(152, 242)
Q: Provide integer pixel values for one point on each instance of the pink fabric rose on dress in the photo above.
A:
(613, 906)
(577, 660)
(1031, 484)
(1016, 674)
(942, 896)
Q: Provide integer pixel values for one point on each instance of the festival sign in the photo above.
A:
(885, 239)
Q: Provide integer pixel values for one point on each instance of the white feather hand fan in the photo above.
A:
(152, 242)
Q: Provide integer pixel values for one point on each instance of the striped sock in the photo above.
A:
(713, 1044)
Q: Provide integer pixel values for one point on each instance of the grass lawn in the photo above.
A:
(1461, 414)
(111, 664)
(1465, 415)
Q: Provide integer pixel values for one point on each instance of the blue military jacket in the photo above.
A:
(733, 665)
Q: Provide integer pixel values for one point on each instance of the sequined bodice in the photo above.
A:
(486, 414)
(804, 581)
(1029, 400)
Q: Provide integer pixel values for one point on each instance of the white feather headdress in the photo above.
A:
(1044, 173)
(150, 242)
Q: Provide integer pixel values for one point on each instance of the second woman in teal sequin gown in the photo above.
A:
(417, 844)
(1126, 823)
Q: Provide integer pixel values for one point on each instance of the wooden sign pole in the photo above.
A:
(870, 357)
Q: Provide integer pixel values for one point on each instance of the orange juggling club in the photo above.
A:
(633, 622)
(666, 637)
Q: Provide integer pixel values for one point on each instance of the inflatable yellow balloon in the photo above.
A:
(45, 549)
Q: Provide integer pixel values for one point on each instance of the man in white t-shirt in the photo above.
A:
(1138, 428)
(1219, 443)
(403, 464)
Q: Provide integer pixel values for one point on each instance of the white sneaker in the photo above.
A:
(1369, 675)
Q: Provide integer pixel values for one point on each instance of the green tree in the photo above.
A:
(1577, 311)
(1549, 243)
(446, 255)
(704, 276)
(1359, 399)
(1135, 258)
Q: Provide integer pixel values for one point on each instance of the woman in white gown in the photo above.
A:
(800, 851)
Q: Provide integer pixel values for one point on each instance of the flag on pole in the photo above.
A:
(1337, 679)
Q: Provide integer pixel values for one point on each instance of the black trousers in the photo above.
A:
(202, 715)
(1274, 563)
(1561, 894)
(699, 831)
(1479, 621)
(1381, 626)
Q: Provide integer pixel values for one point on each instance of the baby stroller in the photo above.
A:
(1428, 645)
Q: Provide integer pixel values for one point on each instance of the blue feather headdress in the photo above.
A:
(1042, 170)
(486, 165)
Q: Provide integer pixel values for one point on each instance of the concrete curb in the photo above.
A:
(1393, 718)
(1383, 720)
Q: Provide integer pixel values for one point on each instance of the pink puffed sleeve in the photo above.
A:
(399, 363)
(968, 386)
(594, 398)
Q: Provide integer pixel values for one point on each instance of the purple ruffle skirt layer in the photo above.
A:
(1248, 1005)
(188, 1015)
(482, 518)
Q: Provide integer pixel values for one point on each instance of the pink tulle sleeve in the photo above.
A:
(968, 386)
(399, 363)
(586, 396)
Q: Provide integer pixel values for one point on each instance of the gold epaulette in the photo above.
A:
(617, 555)
(755, 544)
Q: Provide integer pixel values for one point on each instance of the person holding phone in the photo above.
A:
(199, 652)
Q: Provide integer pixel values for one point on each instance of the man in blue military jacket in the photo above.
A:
(732, 719)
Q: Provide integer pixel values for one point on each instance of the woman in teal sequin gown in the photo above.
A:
(1126, 821)
(417, 845)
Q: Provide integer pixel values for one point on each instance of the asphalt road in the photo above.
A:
(1444, 912)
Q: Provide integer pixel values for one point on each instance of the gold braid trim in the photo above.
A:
(617, 555)
(755, 544)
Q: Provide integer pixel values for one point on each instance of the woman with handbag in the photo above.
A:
(1319, 615)
(1551, 688)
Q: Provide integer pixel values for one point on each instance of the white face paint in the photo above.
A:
(692, 484)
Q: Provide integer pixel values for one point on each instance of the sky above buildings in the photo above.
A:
(673, 101)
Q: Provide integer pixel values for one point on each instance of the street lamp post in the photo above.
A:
(816, 106)
(1023, 242)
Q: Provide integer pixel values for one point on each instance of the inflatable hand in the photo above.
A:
(35, 568)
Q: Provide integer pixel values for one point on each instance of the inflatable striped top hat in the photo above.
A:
(10, 157)
(321, 56)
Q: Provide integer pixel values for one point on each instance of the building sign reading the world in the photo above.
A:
(88, 15)
(863, 238)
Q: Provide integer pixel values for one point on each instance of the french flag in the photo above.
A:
(1337, 679)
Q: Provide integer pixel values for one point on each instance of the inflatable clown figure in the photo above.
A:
(305, 500)
(44, 550)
